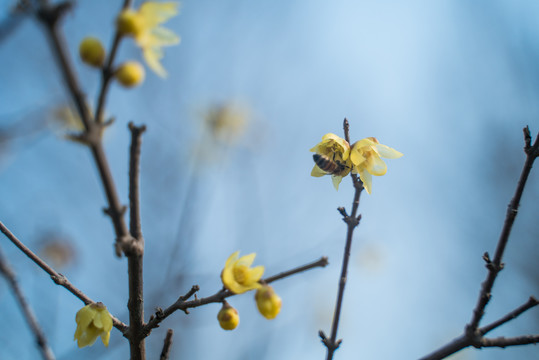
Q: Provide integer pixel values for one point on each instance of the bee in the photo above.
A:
(330, 166)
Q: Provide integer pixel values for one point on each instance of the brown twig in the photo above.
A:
(183, 304)
(473, 335)
(134, 250)
(58, 278)
(532, 302)
(107, 73)
(49, 16)
(352, 222)
(165, 353)
(41, 340)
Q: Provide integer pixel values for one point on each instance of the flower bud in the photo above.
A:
(130, 23)
(130, 74)
(92, 52)
(228, 317)
(268, 302)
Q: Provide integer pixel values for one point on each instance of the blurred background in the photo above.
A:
(226, 166)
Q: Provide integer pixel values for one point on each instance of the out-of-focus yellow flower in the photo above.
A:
(226, 123)
(92, 52)
(143, 25)
(228, 317)
(238, 276)
(93, 320)
(130, 74)
(336, 150)
(366, 157)
(268, 302)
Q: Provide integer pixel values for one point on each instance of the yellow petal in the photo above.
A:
(156, 13)
(375, 165)
(317, 172)
(232, 258)
(336, 181)
(356, 157)
(152, 56)
(366, 178)
(387, 152)
(105, 337)
(256, 273)
(246, 260)
(164, 37)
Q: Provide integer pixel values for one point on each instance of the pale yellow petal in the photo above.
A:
(105, 337)
(232, 258)
(356, 157)
(366, 178)
(375, 165)
(163, 37)
(155, 13)
(256, 273)
(336, 181)
(317, 172)
(246, 260)
(387, 152)
(152, 57)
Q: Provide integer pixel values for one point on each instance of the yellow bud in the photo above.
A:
(228, 317)
(268, 302)
(130, 74)
(92, 52)
(130, 23)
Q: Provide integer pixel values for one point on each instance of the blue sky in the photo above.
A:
(448, 83)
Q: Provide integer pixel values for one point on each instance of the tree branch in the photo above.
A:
(352, 222)
(58, 278)
(41, 340)
(183, 305)
(165, 353)
(134, 250)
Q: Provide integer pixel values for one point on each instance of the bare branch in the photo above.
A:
(532, 302)
(58, 278)
(41, 340)
(183, 305)
(504, 342)
(352, 222)
(165, 353)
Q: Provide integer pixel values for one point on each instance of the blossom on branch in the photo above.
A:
(268, 302)
(366, 157)
(333, 158)
(144, 26)
(93, 320)
(228, 317)
(238, 276)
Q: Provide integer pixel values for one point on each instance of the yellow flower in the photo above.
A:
(238, 276)
(143, 25)
(337, 150)
(130, 74)
(366, 157)
(93, 320)
(92, 52)
(228, 317)
(268, 302)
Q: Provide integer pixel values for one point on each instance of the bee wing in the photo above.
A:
(317, 172)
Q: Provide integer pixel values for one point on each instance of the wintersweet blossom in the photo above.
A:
(238, 276)
(143, 25)
(337, 150)
(366, 155)
(93, 320)
(228, 317)
(268, 302)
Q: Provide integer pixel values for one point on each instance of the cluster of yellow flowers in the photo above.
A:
(238, 276)
(335, 157)
(143, 25)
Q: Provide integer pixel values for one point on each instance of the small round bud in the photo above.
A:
(130, 74)
(130, 23)
(228, 317)
(92, 52)
(268, 302)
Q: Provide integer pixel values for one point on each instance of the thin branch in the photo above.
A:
(473, 335)
(41, 340)
(183, 305)
(134, 251)
(58, 278)
(49, 17)
(496, 265)
(352, 222)
(504, 342)
(107, 72)
(532, 302)
(165, 353)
